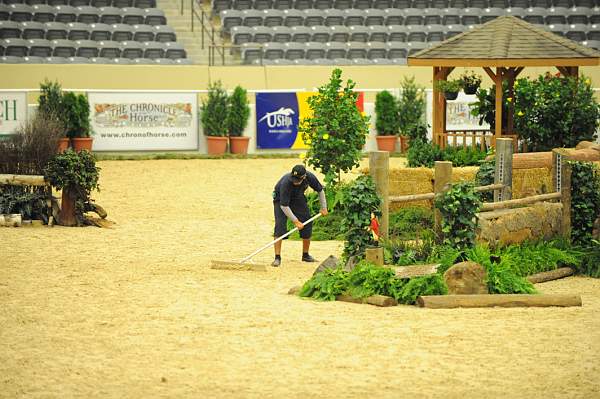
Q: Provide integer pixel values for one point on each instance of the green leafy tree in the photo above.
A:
(360, 201)
(238, 113)
(337, 131)
(458, 207)
(411, 110)
(50, 100)
(214, 110)
(386, 110)
(554, 111)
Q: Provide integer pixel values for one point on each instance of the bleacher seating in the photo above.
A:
(87, 31)
(305, 32)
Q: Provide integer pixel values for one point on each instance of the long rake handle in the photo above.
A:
(279, 238)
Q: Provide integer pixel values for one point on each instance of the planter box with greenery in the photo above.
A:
(387, 122)
(470, 82)
(214, 118)
(450, 88)
(237, 119)
(76, 174)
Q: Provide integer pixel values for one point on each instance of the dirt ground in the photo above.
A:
(136, 312)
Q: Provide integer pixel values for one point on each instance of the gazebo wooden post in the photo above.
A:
(510, 116)
(435, 104)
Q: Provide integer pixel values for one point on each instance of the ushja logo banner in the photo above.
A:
(278, 116)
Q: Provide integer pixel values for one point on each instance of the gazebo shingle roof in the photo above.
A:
(511, 39)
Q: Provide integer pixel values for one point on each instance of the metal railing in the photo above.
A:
(220, 48)
(201, 17)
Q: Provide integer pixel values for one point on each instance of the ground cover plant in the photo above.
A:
(422, 153)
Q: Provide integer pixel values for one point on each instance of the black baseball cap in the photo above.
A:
(298, 173)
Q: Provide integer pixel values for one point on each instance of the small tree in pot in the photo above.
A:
(237, 119)
(76, 117)
(50, 106)
(386, 122)
(214, 118)
(411, 112)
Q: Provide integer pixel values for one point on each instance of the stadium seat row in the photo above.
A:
(394, 33)
(95, 60)
(220, 5)
(90, 49)
(253, 53)
(79, 31)
(83, 14)
(393, 16)
(94, 3)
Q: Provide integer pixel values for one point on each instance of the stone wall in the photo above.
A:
(511, 226)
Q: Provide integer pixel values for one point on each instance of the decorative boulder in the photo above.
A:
(329, 263)
(466, 278)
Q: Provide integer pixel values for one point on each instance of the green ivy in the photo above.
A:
(410, 222)
(585, 200)
(337, 131)
(359, 202)
(485, 177)
(458, 207)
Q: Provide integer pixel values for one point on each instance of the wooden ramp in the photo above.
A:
(237, 266)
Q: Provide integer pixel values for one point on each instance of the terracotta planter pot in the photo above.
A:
(386, 143)
(404, 143)
(82, 143)
(216, 145)
(63, 144)
(238, 145)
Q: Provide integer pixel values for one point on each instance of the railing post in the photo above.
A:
(442, 176)
(379, 170)
(192, 13)
(565, 199)
(503, 172)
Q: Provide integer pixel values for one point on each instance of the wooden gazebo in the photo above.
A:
(507, 44)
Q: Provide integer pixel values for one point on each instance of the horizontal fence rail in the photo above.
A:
(492, 206)
(430, 196)
(22, 180)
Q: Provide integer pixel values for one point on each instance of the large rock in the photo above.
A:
(329, 263)
(466, 278)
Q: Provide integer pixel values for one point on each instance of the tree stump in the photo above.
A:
(67, 208)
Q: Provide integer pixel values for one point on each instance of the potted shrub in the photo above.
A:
(386, 122)
(214, 118)
(470, 82)
(450, 88)
(411, 111)
(76, 174)
(77, 120)
(50, 105)
(237, 119)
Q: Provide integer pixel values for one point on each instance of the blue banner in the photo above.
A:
(277, 117)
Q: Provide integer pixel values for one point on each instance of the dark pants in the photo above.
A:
(300, 209)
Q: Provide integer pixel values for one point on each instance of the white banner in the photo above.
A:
(13, 110)
(458, 114)
(139, 121)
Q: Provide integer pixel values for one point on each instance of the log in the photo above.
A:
(529, 160)
(415, 270)
(587, 145)
(377, 300)
(500, 300)
(492, 206)
(550, 275)
(22, 180)
(412, 197)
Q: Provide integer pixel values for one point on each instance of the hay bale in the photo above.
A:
(466, 173)
(528, 182)
(406, 181)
